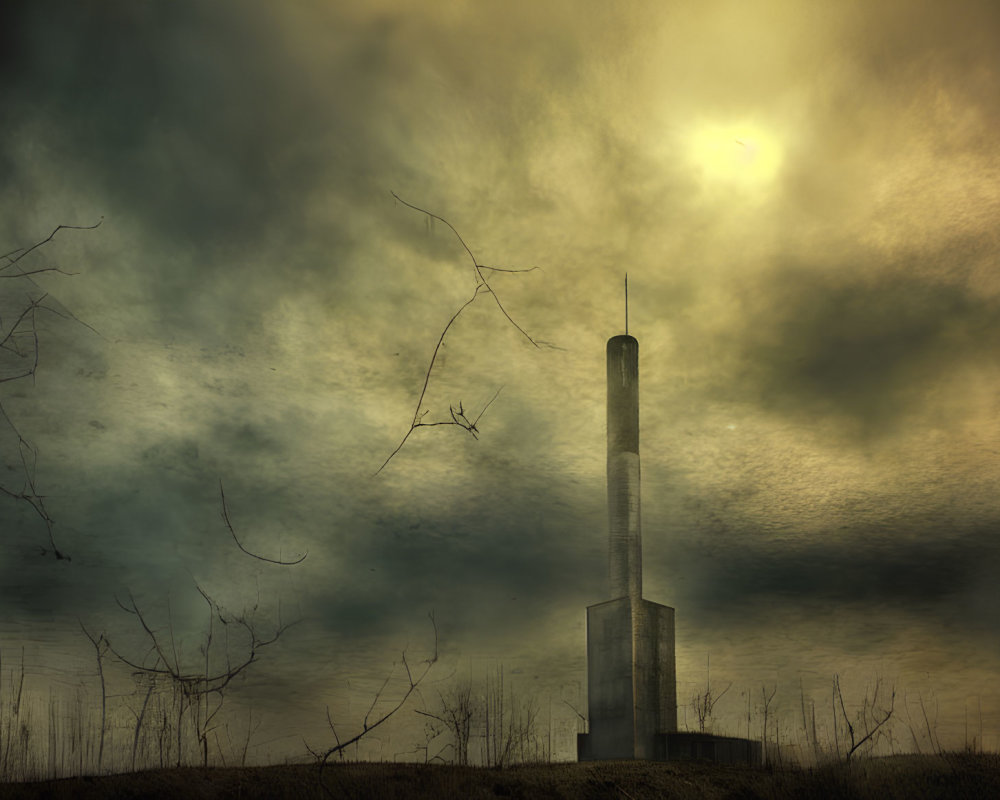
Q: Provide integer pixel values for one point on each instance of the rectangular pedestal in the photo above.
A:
(631, 679)
(708, 747)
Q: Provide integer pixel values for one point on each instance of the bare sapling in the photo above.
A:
(456, 713)
(195, 689)
(705, 702)
(870, 720)
(377, 715)
(19, 355)
(100, 644)
(766, 698)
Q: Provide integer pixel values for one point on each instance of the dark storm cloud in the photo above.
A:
(136, 551)
(180, 111)
(865, 345)
(920, 574)
(476, 562)
(123, 84)
(211, 131)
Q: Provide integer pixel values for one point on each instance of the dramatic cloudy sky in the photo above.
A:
(805, 196)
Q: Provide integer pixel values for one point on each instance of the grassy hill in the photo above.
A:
(911, 777)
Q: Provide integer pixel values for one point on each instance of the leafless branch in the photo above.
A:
(100, 644)
(417, 414)
(482, 285)
(367, 727)
(378, 696)
(16, 255)
(317, 756)
(765, 707)
(239, 544)
(333, 728)
(475, 264)
(876, 724)
(28, 492)
(24, 328)
(25, 273)
(705, 702)
(202, 680)
(481, 280)
(199, 690)
(871, 717)
(504, 269)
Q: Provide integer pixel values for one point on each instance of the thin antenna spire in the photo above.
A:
(626, 304)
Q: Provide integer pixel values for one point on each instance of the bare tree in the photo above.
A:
(458, 415)
(251, 730)
(509, 724)
(809, 721)
(19, 352)
(765, 705)
(505, 722)
(198, 690)
(704, 703)
(100, 644)
(870, 719)
(377, 715)
(928, 725)
(13, 730)
(456, 713)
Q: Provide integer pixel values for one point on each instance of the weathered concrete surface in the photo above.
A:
(655, 674)
(687, 746)
(631, 679)
(631, 671)
(624, 522)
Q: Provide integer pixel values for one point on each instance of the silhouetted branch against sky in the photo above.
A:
(198, 680)
(200, 690)
(20, 329)
(458, 416)
(239, 544)
(368, 725)
(870, 718)
(16, 255)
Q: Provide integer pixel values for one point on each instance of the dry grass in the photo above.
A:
(910, 777)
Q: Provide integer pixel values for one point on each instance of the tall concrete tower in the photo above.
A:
(625, 533)
(631, 679)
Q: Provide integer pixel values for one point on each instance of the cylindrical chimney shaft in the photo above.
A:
(625, 562)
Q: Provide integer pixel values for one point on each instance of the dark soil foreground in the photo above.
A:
(909, 777)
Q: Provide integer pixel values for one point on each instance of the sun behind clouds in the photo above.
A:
(734, 155)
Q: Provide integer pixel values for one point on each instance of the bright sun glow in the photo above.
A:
(736, 155)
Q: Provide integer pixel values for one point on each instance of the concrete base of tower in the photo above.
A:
(631, 679)
(632, 691)
(686, 746)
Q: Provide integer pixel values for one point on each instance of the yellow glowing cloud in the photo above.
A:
(736, 155)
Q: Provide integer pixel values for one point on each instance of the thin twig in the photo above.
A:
(239, 544)
(475, 264)
(482, 285)
(367, 728)
(495, 396)
(39, 271)
(25, 325)
(505, 269)
(12, 259)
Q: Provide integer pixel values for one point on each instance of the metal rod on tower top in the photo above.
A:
(626, 304)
